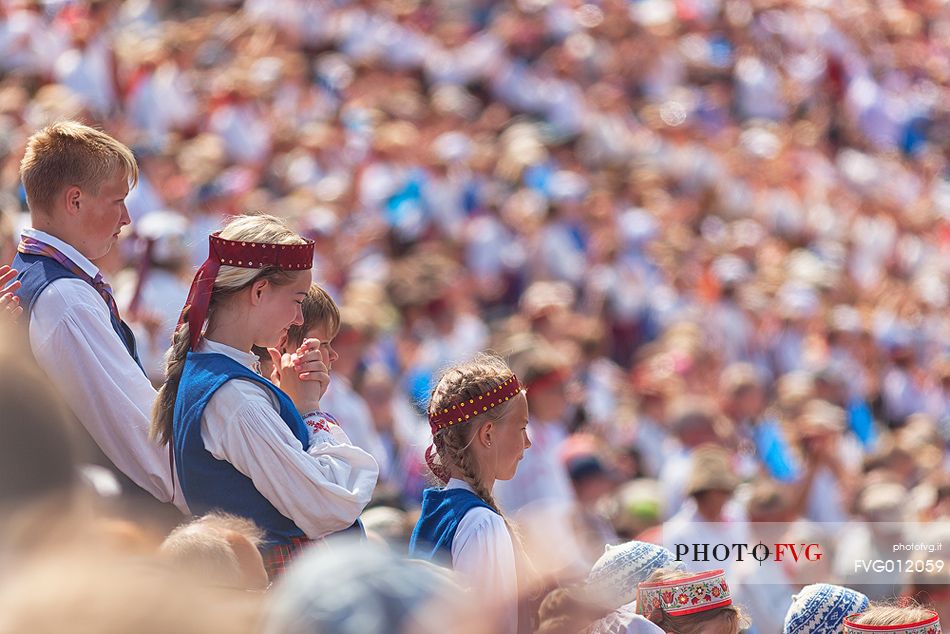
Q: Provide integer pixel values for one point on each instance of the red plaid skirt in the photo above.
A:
(278, 557)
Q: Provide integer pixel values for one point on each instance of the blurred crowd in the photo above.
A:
(711, 237)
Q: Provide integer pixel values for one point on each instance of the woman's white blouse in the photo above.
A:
(323, 489)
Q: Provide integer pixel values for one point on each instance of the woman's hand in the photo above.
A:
(303, 375)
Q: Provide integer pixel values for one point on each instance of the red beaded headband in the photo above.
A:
(257, 255)
(930, 625)
(243, 254)
(688, 595)
(465, 410)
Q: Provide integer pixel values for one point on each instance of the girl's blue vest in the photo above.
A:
(442, 510)
(209, 483)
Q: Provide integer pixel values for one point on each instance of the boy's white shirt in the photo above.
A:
(73, 342)
(484, 557)
(323, 489)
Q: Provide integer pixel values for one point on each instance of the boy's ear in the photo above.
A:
(72, 199)
(257, 291)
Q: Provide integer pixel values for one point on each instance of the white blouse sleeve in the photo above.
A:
(484, 557)
(323, 490)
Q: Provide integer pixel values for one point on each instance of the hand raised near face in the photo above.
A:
(312, 363)
(303, 374)
(10, 308)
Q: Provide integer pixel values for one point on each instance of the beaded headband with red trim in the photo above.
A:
(243, 254)
(467, 409)
(688, 595)
(257, 255)
(930, 625)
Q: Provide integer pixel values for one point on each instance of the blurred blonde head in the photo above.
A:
(218, 549)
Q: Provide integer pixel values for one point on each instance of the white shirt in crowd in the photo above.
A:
(689, 527)
(87, 71)
(350, 409)
(484, 556)
(323, 489)
(73, 341)
(765, 591)
(540, 475)
(673, 474)
(162, 296)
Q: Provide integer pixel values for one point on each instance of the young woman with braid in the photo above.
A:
(241, 444)
(478, 415)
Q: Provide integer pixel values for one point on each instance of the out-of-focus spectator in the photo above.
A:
(541, 477)
(218, 549)
(693, 423)
(362, 588)
(710, 514)
(40, 481)
(106, 593)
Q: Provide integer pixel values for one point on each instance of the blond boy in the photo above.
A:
(76, 180)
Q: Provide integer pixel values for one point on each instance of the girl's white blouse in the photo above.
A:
(484, 557)
(323, 489)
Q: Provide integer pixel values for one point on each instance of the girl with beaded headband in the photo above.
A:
(478, 415)
(241, 444)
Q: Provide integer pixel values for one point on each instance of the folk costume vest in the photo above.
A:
(209, 483)
(442, 511)
(36, 272)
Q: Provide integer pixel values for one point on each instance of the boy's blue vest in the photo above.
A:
(442, 510)
(209, 483)
(36, 272)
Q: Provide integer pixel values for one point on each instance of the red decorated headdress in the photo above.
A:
(687, 595)
(464, 411)
(243, 254)
(929, 625)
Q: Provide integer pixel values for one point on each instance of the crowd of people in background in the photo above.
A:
(711, 238)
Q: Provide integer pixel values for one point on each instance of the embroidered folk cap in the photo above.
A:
(614, 576)
(243, 254)
(686, 595)
(820, 608)
(929, 625)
